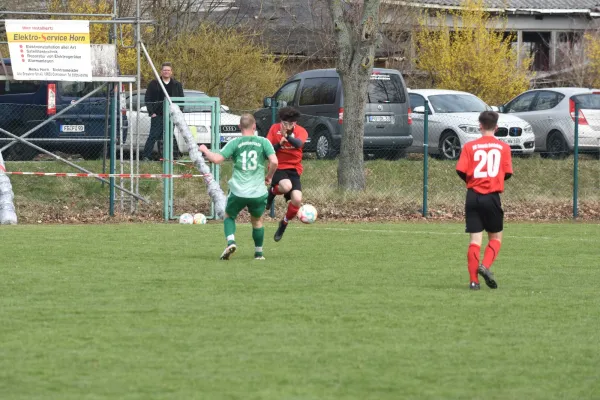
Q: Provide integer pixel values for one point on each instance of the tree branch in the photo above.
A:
(342, 34)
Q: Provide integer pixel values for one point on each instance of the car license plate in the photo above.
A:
(72, 128)
(380, 118)
(511, 141)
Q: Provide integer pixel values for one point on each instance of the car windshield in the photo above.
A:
(197, 107)
(457, 103)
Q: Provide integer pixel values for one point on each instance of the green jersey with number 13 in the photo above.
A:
(248, 154)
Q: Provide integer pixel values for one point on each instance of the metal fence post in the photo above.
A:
(576, 162)
(425, 157)
(166, 160)
(113, 139)
(273, 119)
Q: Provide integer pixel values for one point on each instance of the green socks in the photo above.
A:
(258, 234)
(229, 226)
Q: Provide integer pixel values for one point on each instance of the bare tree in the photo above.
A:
(356, 30)
(572, 65)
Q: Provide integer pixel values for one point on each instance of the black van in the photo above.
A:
(318, 95)
(81, 130)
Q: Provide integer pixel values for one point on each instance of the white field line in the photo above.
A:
(450, 233)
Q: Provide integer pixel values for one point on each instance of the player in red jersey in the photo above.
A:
(484, 164)
(287, 138)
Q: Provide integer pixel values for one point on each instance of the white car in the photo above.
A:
(197, 117)
(551, 112)
(454, 120)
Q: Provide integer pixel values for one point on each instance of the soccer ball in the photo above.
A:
(199, 219)
(186, 219)
(307, 214)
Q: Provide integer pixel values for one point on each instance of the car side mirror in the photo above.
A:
(224, 108)
(419, 110)
(144, 109)
(494, 108)
(267, 102)
(501, 109)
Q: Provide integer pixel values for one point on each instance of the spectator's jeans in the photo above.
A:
(156, 134)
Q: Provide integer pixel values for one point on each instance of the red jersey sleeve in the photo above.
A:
(507, 160)
(272, 135)
(463, 161)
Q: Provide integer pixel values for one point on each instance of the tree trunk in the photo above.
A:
(356, 27)
(351, 174)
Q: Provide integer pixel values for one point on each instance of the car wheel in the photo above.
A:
(324, 145)
(94, 153)
(556, 146)
(20, 151)
(449, 146)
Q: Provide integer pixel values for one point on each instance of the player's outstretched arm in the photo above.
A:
(214, 158)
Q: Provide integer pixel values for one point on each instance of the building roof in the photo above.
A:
(568, 6)
(289, 26)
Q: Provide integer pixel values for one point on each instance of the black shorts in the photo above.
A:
(483, 212)
(290, 174)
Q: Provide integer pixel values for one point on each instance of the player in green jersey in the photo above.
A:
(247, 184)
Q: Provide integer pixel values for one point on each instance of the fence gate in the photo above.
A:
(202, 115)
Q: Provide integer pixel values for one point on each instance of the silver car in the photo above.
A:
(454, 120)
(551, 113)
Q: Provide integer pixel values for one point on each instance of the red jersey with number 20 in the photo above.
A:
(288, 156)
(485, 161)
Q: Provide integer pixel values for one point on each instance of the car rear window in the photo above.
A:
(386, 88)
(19, 87)
(588, 101)
(80, 89)
(318, 91)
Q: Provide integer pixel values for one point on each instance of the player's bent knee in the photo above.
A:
(285, 185)
(256, 222)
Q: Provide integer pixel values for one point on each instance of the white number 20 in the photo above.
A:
(489, 163)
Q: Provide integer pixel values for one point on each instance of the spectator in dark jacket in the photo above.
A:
(154, 103)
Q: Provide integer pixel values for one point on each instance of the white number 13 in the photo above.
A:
(489, 163)
(249, 160)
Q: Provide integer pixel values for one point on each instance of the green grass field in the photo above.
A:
(337, 311)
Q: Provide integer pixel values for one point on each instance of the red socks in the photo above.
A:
(473, 261)
(291, 212)
(491, 252)
(275, 190)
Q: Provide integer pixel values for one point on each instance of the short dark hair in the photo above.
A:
(247, 121)
(488, 120)
(166, 64)
(289, 114)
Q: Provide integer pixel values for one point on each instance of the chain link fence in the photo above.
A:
(401, 182)
(554, 179)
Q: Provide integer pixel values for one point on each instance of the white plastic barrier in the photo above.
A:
(8, 216)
